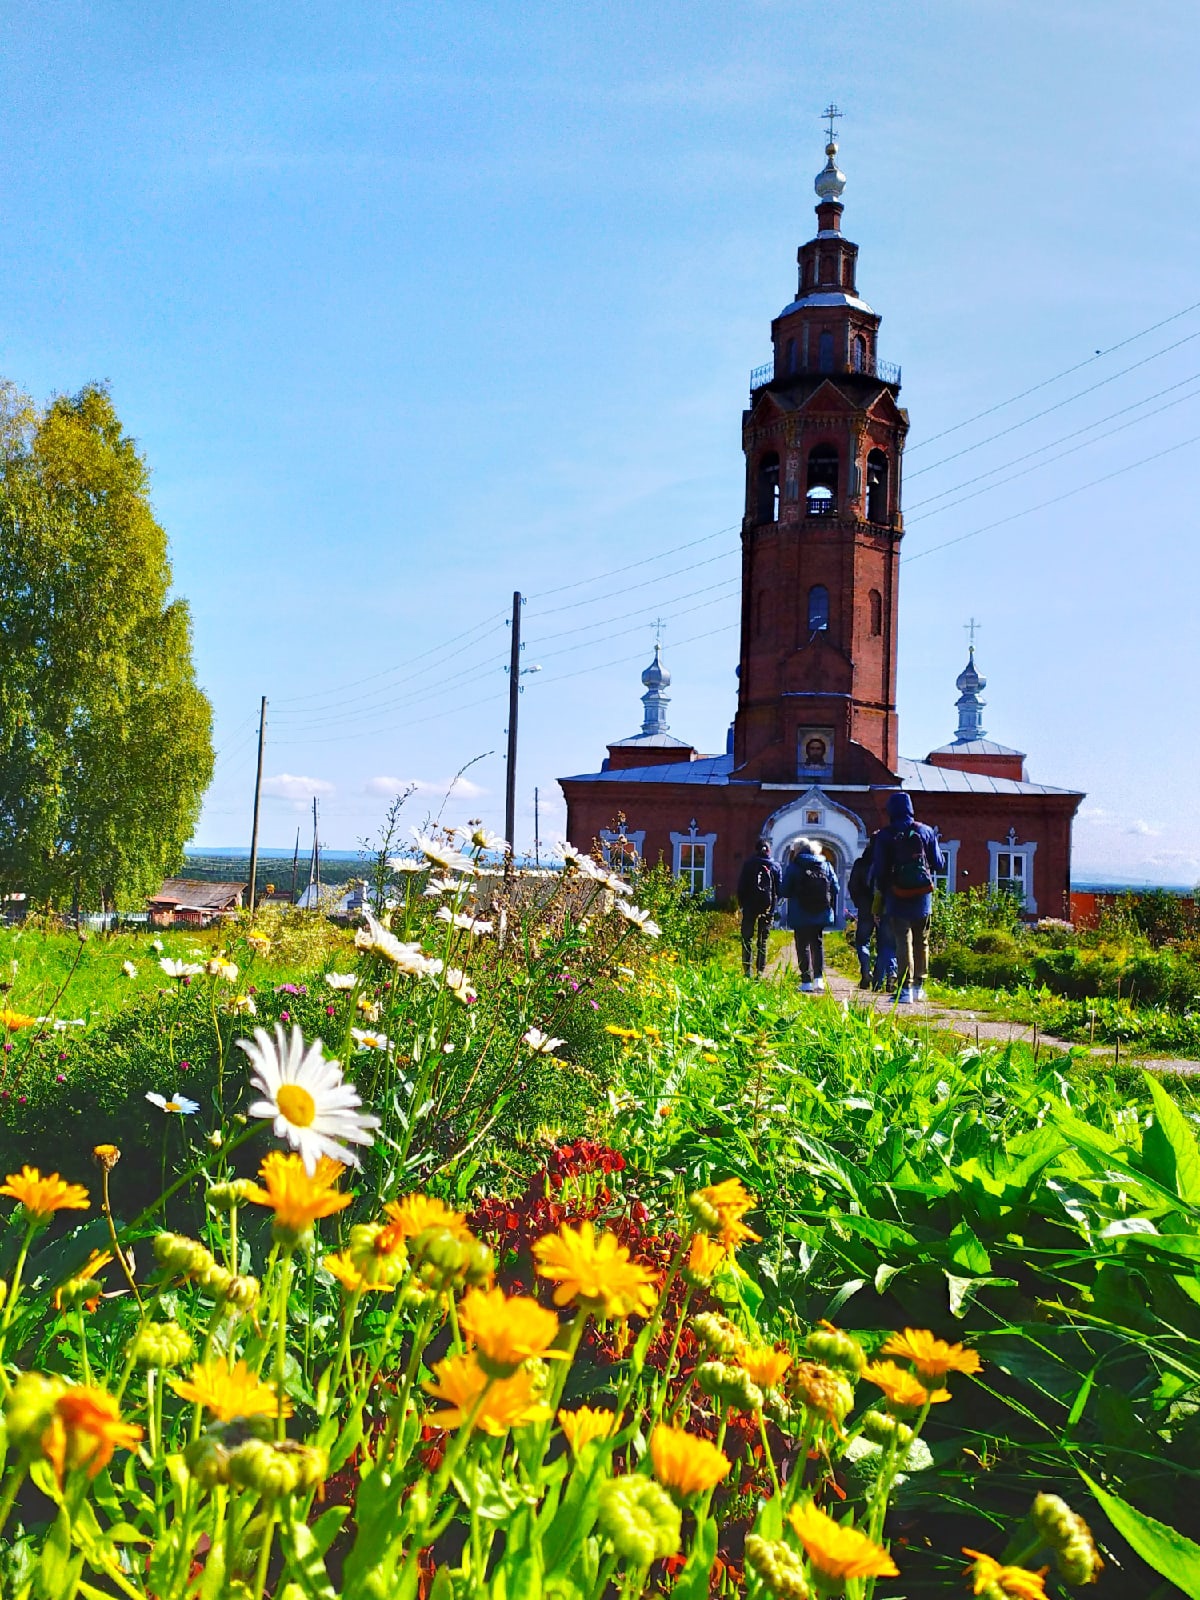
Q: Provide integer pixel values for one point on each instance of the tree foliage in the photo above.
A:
(105, 739)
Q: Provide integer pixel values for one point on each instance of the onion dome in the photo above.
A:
(830, 182)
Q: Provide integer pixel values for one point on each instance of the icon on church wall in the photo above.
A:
(814, 752)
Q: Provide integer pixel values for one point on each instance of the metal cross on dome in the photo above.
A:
(833, 114)
(971, 629)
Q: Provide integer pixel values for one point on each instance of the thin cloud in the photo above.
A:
(458, 788)
(295, 786)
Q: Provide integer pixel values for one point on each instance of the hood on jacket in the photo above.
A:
(900, 808)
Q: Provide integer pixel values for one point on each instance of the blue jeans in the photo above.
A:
(885, 947)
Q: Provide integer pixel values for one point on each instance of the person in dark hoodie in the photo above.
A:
(905, 861)
(811, 889)
(867, 925)
(758, 895)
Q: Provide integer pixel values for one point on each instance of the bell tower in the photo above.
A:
(823, 438)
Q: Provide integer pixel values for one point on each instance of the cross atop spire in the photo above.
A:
(832, 116)
(971, 629)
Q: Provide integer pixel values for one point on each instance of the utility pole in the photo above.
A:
(262, 733)
(537, 843)
(296, 867)
(514, 690)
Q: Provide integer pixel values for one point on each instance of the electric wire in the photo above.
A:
(490, 622)
(632, 566)
(570, 649)
(641, 611)
(1058, 376)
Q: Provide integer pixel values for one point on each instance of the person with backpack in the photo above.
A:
(905, 861)
(811, 889)
(758, 895)
(869, 923)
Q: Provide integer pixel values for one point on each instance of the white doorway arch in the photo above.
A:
(839, 831)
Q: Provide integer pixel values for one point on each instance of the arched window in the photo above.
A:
(877, 487)
(825, 352)
(858, 353)
(818, 608)
(876, 600)
(766, 497)
(827, 269)
(822, 488)
(789, 356)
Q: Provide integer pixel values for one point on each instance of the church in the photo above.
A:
(813, 751)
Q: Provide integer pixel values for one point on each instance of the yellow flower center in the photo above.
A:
(297, 1105)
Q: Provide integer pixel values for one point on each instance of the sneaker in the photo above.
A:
(807, 988)
(904, 997)
(818, 986)
(918, 993)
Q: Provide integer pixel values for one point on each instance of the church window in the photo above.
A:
(818, 609)
(827, 269)
(821, 490)
(622, 850)
(766, 499)
(858, 354)
(1010, 868)
(825, 351)
(876, 603)
(947, 881)
(789, 356)
(877, 487)
(692, 858)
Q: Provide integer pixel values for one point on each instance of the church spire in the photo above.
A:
(657, 679)
(970, 707)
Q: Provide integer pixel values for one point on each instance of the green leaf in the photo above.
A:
(1169, 1145)
(692, 1583)
(1170, 1553)
(967, 1253)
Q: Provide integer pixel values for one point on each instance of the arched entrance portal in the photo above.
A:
(839, 832)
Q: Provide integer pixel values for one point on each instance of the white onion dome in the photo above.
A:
(830, 182)
(656, 675)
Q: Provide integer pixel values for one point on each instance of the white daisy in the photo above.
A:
(482, 838)
(341, 980)
(242, 1005)
(437, 886)
(463, 919)
(366, 1007)
(640, 919)
(178, 1104)
(541, 1043)
(456, 982)
(218, 967)
(442, 855)
(313, 1107)
(366, 1040)
(128, 968)
(407, 864)
(179, 969)
(157, 945)
(406, 958)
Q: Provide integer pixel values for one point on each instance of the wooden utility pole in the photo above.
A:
(514, 690)
(296, 867)
(262, 731)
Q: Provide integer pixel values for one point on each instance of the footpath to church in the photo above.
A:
(968, 1024)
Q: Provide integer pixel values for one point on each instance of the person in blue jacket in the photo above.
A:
(905, 861)
(810, 888)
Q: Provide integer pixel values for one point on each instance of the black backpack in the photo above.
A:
(810, 886)
(910, 876)
(859, 887)
(757, 888)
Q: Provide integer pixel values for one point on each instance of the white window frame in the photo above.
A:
(949, 879)
(693, 836)
(1012, 847)
(635, 838)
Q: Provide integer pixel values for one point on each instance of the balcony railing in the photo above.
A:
(872, 367)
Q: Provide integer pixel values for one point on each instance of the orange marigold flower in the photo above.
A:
(933, 1358)
(582, 1426)
(765, 1366)
(508, 1402)
(705, 1255)
(14, 1021)
(342, 1267)
(901, 1389)
(416, 1212)
(595, 1272)
(229, 1391)
(66, 1294)
(296, 1197)
(684, 1463)
(989, 1577)
(719, 1210)
(506, 1331)
(84, 1430)
(42, 1197)
(835, 1550)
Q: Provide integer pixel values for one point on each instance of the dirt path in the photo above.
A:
(969, 1024)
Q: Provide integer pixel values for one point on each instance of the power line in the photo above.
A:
(641, 611)
(632, 566)
(622, 661)
(493, 621)
(693, 566)
(570, 649)
(1065, 373)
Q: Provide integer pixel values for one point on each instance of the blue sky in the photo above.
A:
(410, 306)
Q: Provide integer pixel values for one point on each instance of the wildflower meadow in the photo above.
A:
(511, 1243)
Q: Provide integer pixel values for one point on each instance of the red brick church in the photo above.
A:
(814, 746)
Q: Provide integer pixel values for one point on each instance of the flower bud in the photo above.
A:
(225, 1196)
(730, 1386)
(311, 1464)
(1069, 1536)
(834, 1348)
(77, 1292)
(640, 1519)
(822, 1390)
(181, 1257)
(29, 1410)
(777, 1567)
(716, 1334)
(265, 1468)
(706, 1216)
(207, 1461)
(881, 1429)
(160, 1344)
(376, 1258)
(106, 1156)
(241, 1292)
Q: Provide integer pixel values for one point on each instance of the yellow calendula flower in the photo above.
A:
(705, 1255)
(719, 1210)
(765, 1366)
(837, 1551)
(417, 1212)
(297, 1198)
(991, 1578)
(14, 1021)
(42, 1197)
(507, 1331)
(684, 1463)
(229, 1391)
(933, 1358)
(902, 1390)
(509, 1402)
(342, 1267)
(582, 1426)
(621, 1033)
(82, 1288)
(596, 1272)
(85, 1428)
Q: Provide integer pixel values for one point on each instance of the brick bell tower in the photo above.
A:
(823, 439)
